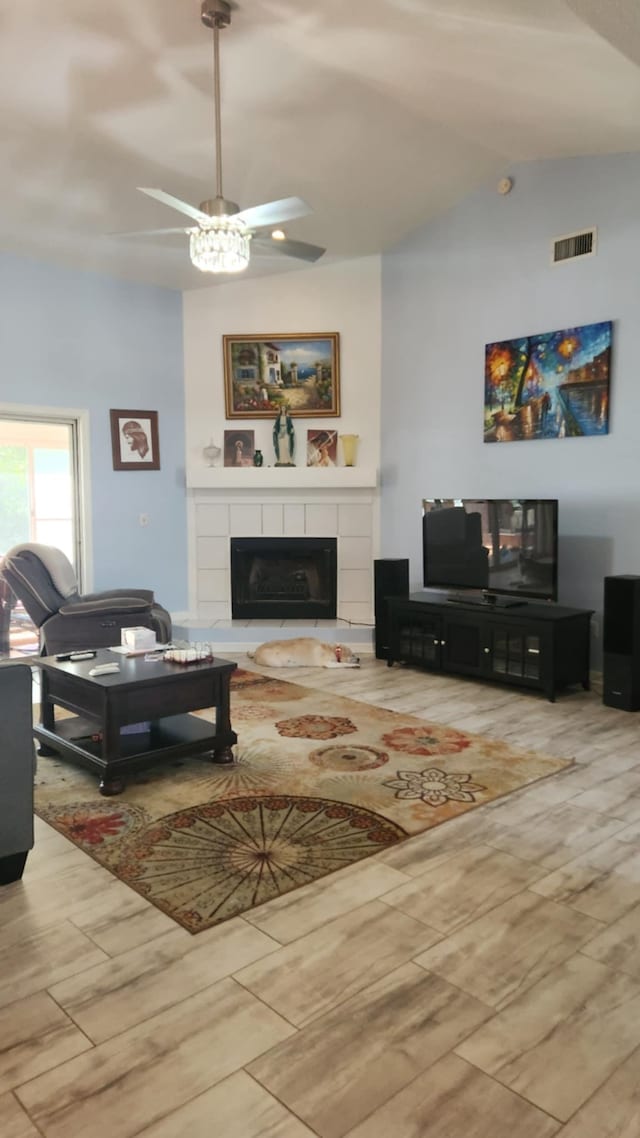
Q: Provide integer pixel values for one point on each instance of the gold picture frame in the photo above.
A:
(299, 370)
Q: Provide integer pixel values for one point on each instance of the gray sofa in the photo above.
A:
(17, 766)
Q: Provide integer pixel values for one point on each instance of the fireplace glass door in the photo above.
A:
(283, 578)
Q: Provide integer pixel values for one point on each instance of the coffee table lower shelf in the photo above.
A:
(173, 737)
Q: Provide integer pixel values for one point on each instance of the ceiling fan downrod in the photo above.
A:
(216, 14)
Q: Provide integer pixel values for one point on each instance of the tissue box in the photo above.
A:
(138, 637)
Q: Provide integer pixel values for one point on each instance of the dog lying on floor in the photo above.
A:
(304, 652)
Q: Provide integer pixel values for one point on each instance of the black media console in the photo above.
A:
(541, 646)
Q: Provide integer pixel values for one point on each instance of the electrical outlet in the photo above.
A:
(143, 519)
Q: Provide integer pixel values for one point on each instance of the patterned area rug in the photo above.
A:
(319, 782)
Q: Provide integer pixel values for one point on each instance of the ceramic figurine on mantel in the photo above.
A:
(284, 439)
(258, 458)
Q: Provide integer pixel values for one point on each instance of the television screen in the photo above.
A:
(499, 545)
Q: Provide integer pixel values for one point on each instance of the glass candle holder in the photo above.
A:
(349, 448)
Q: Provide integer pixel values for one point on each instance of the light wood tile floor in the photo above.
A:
(478, 981)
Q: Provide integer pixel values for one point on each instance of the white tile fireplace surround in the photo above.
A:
(282, 502)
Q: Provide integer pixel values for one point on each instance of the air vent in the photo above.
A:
(574, 245)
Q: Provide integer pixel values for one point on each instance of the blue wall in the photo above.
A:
(80, 340)
(483, 273)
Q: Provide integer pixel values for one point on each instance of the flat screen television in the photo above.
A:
(501, 547)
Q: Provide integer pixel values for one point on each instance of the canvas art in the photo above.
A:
(263, 373)
(239, 448)
(549, 386)
(322, 448)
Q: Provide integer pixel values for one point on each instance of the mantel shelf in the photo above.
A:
(281, 477)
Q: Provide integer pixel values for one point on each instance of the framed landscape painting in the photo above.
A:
(134, 440)
(552, 385)
(300, 370)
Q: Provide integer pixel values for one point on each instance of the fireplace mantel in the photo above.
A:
(281, 478)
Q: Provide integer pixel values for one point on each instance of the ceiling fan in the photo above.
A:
(219, 241)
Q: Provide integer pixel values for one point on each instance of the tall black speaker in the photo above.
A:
(390, 579)
(621, 643)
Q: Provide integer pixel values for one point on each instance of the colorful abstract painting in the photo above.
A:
(552, 385)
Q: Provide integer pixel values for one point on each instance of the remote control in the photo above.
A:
(75, 656)
(104, 669)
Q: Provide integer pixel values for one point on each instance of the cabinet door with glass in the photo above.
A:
(514, 652)
(462, 642)
(415, 636)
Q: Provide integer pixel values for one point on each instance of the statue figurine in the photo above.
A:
(284, 438)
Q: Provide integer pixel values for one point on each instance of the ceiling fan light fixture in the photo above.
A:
(220, 248)
(219, 232)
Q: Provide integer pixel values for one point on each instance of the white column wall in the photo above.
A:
(348, 516)
(343, 298)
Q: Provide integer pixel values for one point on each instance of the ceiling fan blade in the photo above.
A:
(151, 232)
(272, 213)
(175, 203)
(300, 249)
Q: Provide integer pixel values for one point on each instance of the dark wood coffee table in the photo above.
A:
(156, 692)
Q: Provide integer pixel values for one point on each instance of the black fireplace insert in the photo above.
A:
(284, 578)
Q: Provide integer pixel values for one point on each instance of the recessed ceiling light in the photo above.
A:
(279, 235)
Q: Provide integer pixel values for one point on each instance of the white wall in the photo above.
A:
(342, 298)
(334, 298)
(482, 274)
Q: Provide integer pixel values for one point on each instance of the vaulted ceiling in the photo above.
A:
(380, 113)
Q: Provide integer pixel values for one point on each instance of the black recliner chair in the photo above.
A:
(43, 578)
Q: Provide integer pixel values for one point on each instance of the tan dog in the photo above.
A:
(303, 652)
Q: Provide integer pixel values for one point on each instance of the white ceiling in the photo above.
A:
(380, 113)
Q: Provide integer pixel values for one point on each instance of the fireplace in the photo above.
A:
(284, 578)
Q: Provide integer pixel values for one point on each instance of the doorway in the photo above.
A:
(39, 502)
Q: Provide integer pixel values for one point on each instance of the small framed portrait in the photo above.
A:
(322, 448)
(134, 440)
(239, 448)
